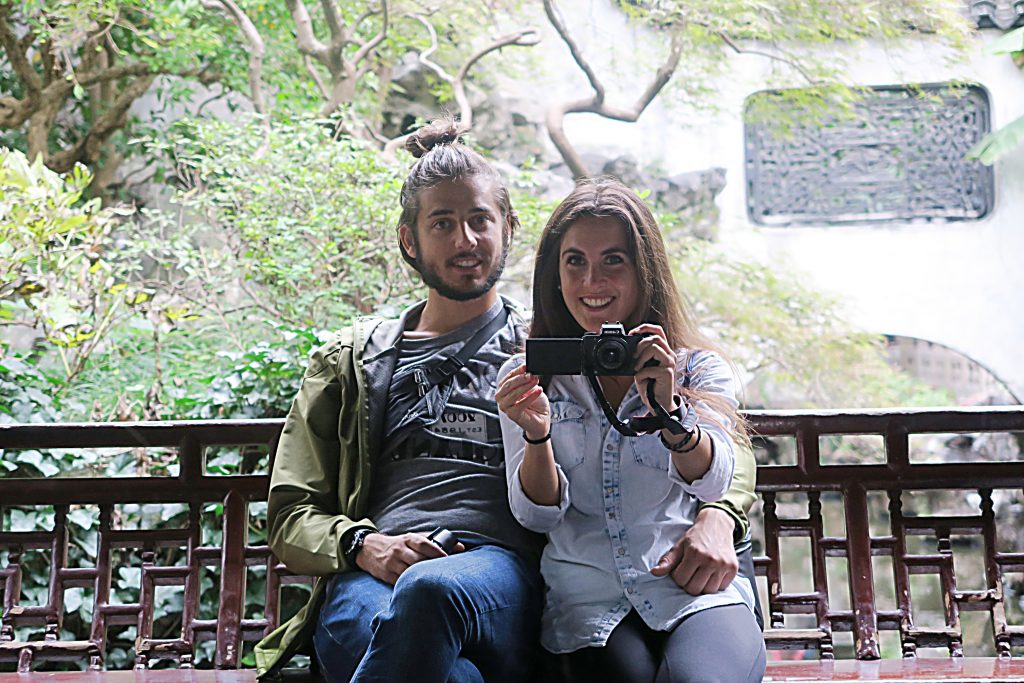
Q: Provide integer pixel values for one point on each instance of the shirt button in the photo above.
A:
(631, 590)
(622, 551)
(611, 514)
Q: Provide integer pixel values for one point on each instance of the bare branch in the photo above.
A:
(108, 74)
(555, 17)
(13, 112)
(257, 50)
(304, 36)
(372, 43)
(375, 135)
(760, 53)
(49, 63)
(424, 57)
(332, 15)
(316, 76)
(363, 17)
(596, 104)
(93, 40)
(526, 37)
(89, 148)
(16, 53)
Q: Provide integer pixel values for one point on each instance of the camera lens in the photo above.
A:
(610, 354)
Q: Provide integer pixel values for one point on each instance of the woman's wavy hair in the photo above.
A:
(442, 154)
(660, 300)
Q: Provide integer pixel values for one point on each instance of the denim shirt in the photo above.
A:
(623, 505)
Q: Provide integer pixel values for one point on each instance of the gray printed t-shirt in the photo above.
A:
(452, 473)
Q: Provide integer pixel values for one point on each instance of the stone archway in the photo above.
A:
(936, 364)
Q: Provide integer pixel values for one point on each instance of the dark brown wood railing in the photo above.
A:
(806, 485)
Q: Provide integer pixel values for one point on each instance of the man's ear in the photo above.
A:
(510, 228)
(405, 238)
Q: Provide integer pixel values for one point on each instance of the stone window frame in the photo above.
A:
(985, 181)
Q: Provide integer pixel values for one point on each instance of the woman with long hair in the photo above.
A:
(612, 505)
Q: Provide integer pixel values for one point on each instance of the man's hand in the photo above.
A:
(386, 557)
(704, 559)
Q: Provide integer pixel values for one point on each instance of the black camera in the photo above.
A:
(608, 352)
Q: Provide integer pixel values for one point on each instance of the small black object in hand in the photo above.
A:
(443, 539)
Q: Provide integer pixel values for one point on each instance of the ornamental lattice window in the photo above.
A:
(900, 157)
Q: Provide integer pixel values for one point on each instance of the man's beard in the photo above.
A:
(432, 277)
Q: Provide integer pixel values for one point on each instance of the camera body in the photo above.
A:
(608, 352)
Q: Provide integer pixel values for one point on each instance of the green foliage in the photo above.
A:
(804, 43)
(998, 143)
(1001, 142)
(56, 274)
(304, 228)
(25, 394)
(89, 61)
(258, 382)
(794, 342)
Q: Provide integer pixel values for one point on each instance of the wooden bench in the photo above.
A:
(881, 511)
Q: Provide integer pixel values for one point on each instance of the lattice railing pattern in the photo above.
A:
(895, 478)
(230, 558)
(898, 480)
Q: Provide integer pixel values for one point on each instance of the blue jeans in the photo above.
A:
(470, 617)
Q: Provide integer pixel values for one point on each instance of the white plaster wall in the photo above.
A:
(960, 284)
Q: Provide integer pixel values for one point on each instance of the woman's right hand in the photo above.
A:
(522, 398)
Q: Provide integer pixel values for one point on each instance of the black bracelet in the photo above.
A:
(537, 442)
(700, 435)
(675, 448)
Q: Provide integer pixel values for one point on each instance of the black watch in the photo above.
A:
(355, 544)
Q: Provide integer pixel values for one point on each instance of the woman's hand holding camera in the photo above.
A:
(655, 360)
(521, 397)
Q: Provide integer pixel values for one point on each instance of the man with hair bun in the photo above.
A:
(393, 434)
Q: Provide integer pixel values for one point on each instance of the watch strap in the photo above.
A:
(352, 542)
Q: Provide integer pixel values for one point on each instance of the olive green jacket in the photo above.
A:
(320, 483)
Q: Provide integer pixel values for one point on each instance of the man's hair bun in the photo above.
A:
(445, 131)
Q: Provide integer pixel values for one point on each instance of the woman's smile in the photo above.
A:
(598, 273)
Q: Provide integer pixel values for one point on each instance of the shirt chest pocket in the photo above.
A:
(568, 433)
(648, 452)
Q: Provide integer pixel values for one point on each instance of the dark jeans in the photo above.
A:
(467, 618)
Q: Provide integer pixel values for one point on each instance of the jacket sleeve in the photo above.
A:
(741, 496)
(320, 437)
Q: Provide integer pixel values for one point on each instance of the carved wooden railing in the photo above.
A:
(805, 481)
(897, 478)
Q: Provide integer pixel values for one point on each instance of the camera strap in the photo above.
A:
(678, 423)
(424, 389)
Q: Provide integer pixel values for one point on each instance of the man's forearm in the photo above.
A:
(741, 494)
